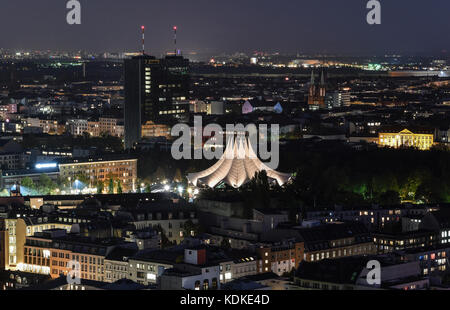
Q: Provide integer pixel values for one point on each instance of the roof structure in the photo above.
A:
(237, 166)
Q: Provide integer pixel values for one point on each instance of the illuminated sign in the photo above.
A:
(46, 166)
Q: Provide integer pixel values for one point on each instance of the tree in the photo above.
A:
(225, 244)
(258, 195)
(4, 193)
(45, 184)
(159, 174)
(178, 177)
(410, 186)
(62, 182)
(28, 183)
(100, 187)
(111, 186)
(191, 229)
(389, 198)
(430, 191)
(148, 188)
(119, 187)
(83, 178)
(165, 242)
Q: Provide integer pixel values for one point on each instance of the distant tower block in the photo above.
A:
(237, 166)
(84, 70)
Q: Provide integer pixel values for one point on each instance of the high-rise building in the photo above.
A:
(141, 74)
(154, 91)
(316, 97)
(338, 99)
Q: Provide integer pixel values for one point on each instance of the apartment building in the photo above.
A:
(152, 130)
(95, 128)
(280, 258)
(373, 218)
(147, 266)
(53, 252)
(18, 228)
(111, 126)
(331, 241)
(117, 264)
(170, 220)
(385, 242)
(433, 260)
(352, 275)
(123, 170)
(48, 126)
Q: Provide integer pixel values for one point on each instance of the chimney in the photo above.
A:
(195, 257)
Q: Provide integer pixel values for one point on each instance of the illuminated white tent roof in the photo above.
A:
(237, 166)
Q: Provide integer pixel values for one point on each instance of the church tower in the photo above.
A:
(316, 97)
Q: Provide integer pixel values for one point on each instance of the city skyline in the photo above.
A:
(318, 26)
(224, 146)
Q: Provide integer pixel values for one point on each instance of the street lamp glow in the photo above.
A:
(167, 188)
(180, 189)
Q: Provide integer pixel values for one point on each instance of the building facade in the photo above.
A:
(119, 170)
(280, 259)
(152, 89)
(52, 252)
(420, 139)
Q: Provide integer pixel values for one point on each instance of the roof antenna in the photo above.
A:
(143, 39)
(175, 38)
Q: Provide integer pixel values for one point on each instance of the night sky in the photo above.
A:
(330, 26)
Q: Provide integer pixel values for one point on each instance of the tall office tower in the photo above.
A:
(13, 81)
(156, 90)
(141, 95)
(316, 97)
(173, 89)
